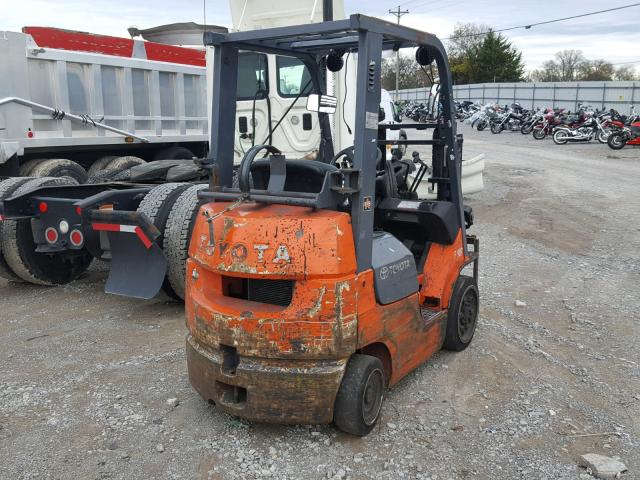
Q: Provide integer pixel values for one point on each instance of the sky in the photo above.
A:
(613, 36)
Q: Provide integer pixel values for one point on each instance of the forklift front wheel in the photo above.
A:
(359, 400)
(463, 314)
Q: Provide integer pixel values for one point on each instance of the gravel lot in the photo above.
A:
(88, 380)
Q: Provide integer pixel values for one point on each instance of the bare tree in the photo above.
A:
(569, 62)
(626, 73)
(465, 38)
(599, 70)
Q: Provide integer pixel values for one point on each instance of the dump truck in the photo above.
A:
(74, 103)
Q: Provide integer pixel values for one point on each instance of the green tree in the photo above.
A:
(495, 60)
(466, 37)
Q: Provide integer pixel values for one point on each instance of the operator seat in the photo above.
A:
(304, 176)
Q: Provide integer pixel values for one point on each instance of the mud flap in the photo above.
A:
(136, 271)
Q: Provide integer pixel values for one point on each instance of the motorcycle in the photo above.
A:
(624, 131)
(511, 120)
(585, 132)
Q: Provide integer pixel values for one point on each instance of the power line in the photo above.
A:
(527, 27)
(625, 63)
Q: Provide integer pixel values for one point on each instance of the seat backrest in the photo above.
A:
(304, 176)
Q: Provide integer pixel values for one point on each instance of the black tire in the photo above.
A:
(496, 128)
(20, 250)
(60, 167)
(122, 163)
(462, 316)
(177, 235)
(157, 205)
(174, 153)
(481, 126)
(539, 133)
(526, 129)
(360, 396)
(29, 165)
(100, 164)
(616, 141)
(106, 176)
(602, 136)
(7, 187)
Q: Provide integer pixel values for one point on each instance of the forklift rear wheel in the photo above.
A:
(7, 187)
(359, 400)
(462, 315)
(20, 250)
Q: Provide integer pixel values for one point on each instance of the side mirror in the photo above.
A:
(381, 114)
(321, 103)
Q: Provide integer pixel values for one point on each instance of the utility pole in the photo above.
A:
(398, 13)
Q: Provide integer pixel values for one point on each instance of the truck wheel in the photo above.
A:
(106, 176)
(462, 315)
(157, 205)
(20, 250)
(174, 153)
(29, 165)
(120, 163)
(7, 187)
(177, 235)
(60, 167)
(360, 396)
(100, 164)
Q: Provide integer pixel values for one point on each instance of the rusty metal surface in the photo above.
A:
(276, 391)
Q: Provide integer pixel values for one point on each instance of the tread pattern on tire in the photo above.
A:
(157, 205)
(106, 176)
(177, 234)
(121, 163)
(26, 168)
(7, 187)
(10, 245)
(60, 167)
(100, 164)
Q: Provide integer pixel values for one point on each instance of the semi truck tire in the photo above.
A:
(99, 164)
(106, 176)
(157, 205)
(177, 235)
(121, 163)
(174, 153)
(27, 167)
(60, 167)
(7, 187)
(20, 250)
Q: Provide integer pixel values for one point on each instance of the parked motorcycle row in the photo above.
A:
(585, 125)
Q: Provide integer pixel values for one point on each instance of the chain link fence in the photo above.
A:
(568, 95)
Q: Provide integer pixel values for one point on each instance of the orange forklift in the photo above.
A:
(313, 285)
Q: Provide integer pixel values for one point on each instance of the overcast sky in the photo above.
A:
(613, 36)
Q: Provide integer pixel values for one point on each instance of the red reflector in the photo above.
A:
(79, 211)
(76, 238)
(30, 134)
(43, 207)
(51, 234)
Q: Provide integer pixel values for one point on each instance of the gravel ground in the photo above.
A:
(95, 386)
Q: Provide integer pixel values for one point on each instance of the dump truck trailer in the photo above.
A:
(71, 102)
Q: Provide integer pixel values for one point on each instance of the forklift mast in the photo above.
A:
(311, 44)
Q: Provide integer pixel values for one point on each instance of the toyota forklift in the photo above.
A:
(313, 285)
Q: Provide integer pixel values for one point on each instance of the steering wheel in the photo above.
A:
(344, 158)
(244, 172)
